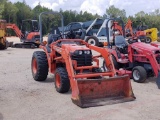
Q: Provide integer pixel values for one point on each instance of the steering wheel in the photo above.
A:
(71, 34)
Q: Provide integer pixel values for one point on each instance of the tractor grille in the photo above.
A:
(37, 36)
(82, 60)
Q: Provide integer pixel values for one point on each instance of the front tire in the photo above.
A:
(139, 74)
(39, 66)
(61, 78)
(92, 40)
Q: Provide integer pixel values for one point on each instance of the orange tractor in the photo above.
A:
(75, 67)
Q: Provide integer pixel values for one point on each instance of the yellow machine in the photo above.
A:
(3, 42)
(152, 34)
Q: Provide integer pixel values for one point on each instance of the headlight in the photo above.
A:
(80, 52)
(87, 52)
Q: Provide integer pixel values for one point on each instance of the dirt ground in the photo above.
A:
(22, 98)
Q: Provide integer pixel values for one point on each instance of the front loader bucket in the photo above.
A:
(98, 92)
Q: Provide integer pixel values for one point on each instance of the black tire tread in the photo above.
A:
(116, 65)
(143, 74)
(95, 38)
(65, 83)
(42, 66)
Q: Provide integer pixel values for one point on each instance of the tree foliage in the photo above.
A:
(112, 11)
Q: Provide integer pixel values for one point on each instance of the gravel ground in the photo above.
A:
(22, 98)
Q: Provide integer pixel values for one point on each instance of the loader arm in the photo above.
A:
(68, 63)
(129, 26)
(16, 29)
(147, 55)
(154, 63)
(117, 27)
(107, 57)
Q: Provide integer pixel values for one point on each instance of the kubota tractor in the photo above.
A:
(140, 60)
(29, 34)
(75, 67)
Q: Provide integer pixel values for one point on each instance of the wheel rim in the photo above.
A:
(34, 66)
(92, 42)
(148, 40)
(136, 75)
(58, 80)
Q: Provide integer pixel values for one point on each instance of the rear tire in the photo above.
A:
(92, 40)
(39, 66)
(139, 74)
(62, 83)
(116, 65)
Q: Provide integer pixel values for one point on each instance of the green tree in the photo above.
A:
(2, 2)
(9, 12)
(115, 12)
(24, 12)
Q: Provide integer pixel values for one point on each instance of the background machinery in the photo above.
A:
(138, 59)
(152, 34)
(130, 33)
(93, 32)
(3, 42)
(29, 33)
(76, 68)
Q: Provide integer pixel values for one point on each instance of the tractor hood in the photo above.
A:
(74, 47)
(144, 46)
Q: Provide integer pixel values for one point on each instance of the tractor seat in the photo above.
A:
(121, 44)
(120, 41)
(51, 38)
(81, 34)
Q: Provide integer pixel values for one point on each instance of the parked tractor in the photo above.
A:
(76, 68)
(138, 59)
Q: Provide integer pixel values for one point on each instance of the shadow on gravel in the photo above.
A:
(1, 116)
(151, 80)
(48, 80)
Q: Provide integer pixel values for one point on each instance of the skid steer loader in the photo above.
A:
(75, 67)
